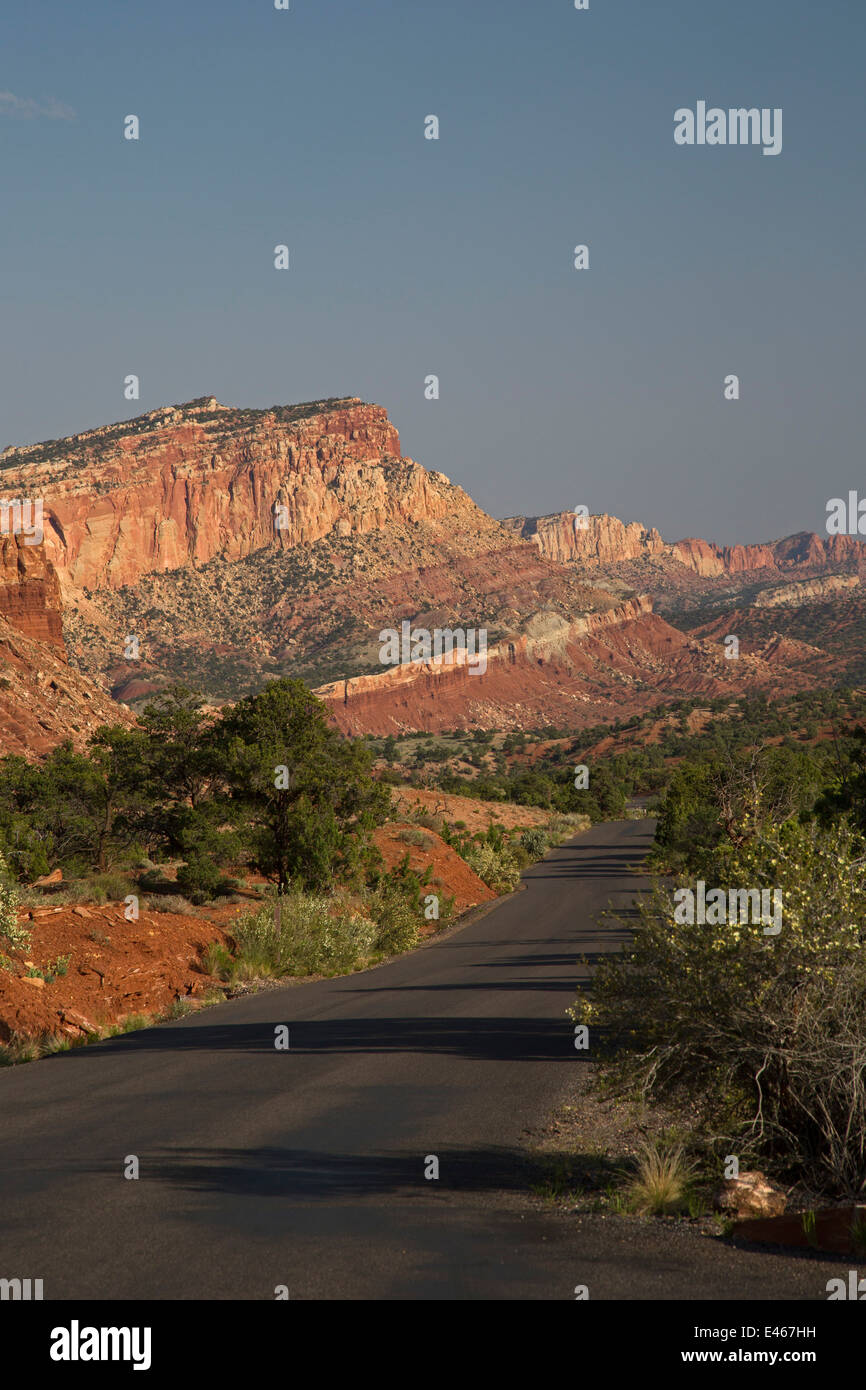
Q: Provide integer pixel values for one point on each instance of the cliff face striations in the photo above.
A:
(604, 540)
(599, 540)
(43, 700)
(238, 545)
(180, 486)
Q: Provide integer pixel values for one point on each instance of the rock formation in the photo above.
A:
(180, 486)
(603, 540)
(238, 545)
(807, 591)
(597, 668)
(43, 700)
(30, 592)
(593, 540)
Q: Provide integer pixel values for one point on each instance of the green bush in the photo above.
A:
(155, 881)
(200, 879)
(535, 842)
(765, 1034)
(218, 961)
(396, 917)
(313, 938)
(497, 867)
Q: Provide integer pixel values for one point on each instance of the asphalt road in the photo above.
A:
(306, 1167)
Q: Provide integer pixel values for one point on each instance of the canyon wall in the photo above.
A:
(43, 700)
(598, 540)
(604, 540)
(182, 485)
(541, 669)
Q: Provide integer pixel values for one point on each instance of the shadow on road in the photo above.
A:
(304, 1174)
(506, 1039)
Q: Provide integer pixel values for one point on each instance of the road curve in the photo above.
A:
(305, 1168)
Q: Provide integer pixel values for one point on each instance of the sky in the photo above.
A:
(409, 257)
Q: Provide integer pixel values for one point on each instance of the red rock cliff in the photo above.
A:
(181, 485)
(599, 540)
(606, 540)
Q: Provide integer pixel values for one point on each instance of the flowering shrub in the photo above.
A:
(17, 937)
(766, 1033)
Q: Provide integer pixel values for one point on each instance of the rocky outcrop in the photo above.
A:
(750, 1195)
(42, 699)
(30, 592)
(803, 551)
(180, 486)
(807, 591)
(700, 556)
(604, 540)
(570, 673)
(547, 635)
(594, 540)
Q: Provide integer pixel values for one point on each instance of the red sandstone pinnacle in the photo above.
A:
(30, 592)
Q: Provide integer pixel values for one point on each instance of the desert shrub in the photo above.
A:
(318, 936)
(495, 866)
(109, 887)
(93, 888)
(765, 1034)
(415, 837)
(169, 902)
(396, 918)
(535, 842)
(522, 858)
(218, 961)
(662, 1183)
(52, 971)
(200, 879)
(155, 881)
(565, 827)
(395, 900)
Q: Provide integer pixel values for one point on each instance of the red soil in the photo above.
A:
(142, 968)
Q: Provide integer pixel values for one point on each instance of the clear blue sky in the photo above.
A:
(454, 257)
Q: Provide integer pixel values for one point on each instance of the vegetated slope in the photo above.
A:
(835, 628)
(601, 668)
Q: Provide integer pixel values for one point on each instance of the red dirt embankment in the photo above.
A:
(451, 876)
(116, 968)
(477, 814)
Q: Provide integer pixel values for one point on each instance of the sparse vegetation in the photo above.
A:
(662, 1183)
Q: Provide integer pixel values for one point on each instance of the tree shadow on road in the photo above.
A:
(306, 1174)
(487, 1039)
